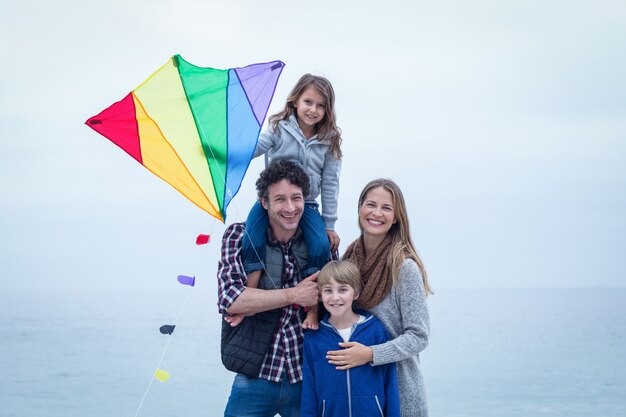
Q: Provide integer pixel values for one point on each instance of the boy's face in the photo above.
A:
(338, 298)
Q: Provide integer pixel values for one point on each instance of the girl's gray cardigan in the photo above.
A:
(405, 315)
(313, 155)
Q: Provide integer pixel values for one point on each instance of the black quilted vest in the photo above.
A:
(244, 346)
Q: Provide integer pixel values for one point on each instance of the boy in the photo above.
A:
(364, 391)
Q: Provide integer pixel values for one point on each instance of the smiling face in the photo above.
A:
(376, 213)
(284, 205)
(337, 299)
(310, 110)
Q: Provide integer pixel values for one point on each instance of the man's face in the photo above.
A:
(284, 205)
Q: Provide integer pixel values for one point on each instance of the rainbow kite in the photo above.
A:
(196, 128)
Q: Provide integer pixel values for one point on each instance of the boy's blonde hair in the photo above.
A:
(343, 272)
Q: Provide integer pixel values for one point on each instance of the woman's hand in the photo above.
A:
(333, 239)
(354, 354)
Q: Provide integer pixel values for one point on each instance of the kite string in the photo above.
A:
(230, 193)
(247, 236)
(145, 394)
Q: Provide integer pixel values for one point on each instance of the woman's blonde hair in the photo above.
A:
(343, 272)
(327, 128)
(402, 245)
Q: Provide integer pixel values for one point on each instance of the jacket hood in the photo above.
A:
(358, 325)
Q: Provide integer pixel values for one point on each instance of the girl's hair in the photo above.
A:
(402, 245)
(343, 272)
(327, 128)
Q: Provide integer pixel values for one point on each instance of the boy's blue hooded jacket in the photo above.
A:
(364, 391)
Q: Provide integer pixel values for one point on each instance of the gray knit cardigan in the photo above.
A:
(405, 315)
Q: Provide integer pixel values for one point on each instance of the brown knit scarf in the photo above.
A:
(375, 273)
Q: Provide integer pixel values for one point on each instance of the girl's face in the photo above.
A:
(310, 110)
(376, 214)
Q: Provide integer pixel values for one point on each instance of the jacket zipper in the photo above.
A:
(354, 326)
(349, 394)
(380, 409)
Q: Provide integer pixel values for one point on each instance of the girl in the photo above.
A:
(395, 286)
(304, 132)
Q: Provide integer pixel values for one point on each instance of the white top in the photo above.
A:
(346, 333)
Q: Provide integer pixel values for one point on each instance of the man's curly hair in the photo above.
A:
(278, 171)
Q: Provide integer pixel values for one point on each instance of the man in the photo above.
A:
(265, 349)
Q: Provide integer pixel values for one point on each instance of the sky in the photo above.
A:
(504, 123)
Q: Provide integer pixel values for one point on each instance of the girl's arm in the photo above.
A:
(330, 196)
(413, 338)
(266, 142)
(334, 240)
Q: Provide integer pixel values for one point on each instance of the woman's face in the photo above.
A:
(376, 214)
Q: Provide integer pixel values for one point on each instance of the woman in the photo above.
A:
(395, 287)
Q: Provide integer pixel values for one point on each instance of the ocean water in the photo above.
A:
(557, 352)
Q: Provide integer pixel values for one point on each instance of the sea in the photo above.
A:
(509, 353)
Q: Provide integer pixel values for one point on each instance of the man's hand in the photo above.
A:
(306, 293)
(255, 300)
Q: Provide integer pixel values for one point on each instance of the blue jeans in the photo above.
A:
(313, 230)
(256, 397)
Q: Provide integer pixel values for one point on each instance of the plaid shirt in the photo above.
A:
(284, 354)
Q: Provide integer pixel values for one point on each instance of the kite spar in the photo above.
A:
(196, 128)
